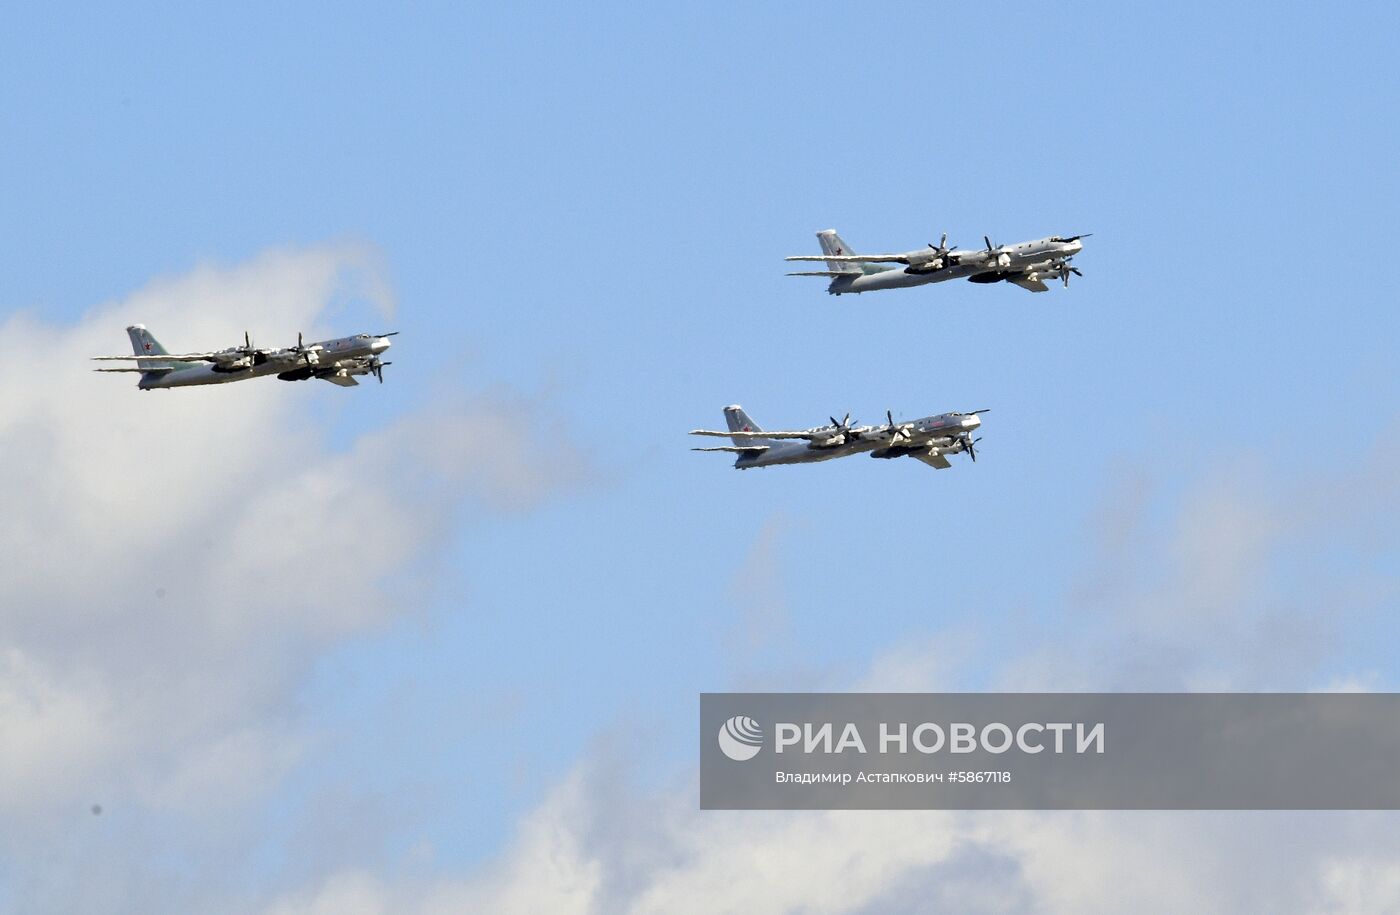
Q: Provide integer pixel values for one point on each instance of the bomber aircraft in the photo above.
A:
(337, 361)
(929, 440)
(1028, 264)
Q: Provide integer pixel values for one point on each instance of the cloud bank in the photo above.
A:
(1246, 578)
(175, 562)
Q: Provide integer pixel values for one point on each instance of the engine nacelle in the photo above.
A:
(925, 261)
(234, 364)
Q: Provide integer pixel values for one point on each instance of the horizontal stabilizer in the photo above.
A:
(736, 449)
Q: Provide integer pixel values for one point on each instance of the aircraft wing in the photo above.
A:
(143, 371)
(736, 449)
(853, 258)
(830, 273)
(1032, 285)
(345, 381)
(164, 357)
(810, 436)
(933, 460)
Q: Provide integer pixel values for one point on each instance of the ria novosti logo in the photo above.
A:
(740, 738)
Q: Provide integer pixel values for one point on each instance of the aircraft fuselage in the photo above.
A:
(260, 364)
(1019, 258)
(944, 431)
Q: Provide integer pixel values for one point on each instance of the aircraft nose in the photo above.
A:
(971, 422)
(379, 345)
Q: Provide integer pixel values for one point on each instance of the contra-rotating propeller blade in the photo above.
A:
(1065, 270)
(304, 351)
(998, 257)
(896, 432)
(844, 428)
(942, 249)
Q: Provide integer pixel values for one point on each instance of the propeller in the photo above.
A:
(999, 257)
(246, 350)
(1065, 270)
(896, 432)
(942, 247)
(942, 251)
(376, 367)
(304, 351)
(844, 427)
(968, 443)
(920, 264)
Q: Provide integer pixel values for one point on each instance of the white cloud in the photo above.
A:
(170, 576)
(1252, 582)
(175, 561)
(1204, 595)
(583, 852)
(1361, 885)
(345, 894)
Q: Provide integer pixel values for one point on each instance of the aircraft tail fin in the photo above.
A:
(738, 421)
(833, 244)
(143, 343)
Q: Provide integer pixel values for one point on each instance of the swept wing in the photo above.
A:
(736, 449)
(853, 258)
(809, 436)
(933, 460)
(168, 357)
(1026, 282)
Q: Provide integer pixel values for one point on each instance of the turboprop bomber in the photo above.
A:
(930, 440)
(1027, 264)
(337, 361)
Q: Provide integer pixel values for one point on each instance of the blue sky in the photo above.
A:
(586, 208)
